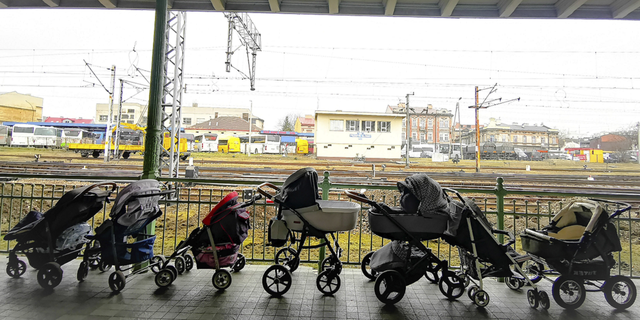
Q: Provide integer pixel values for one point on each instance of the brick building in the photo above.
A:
(427, 125)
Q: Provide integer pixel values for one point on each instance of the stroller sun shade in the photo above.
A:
(133, 209)
(423, 195)
(300, 190)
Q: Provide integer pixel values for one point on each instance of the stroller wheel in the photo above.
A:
(472, 291)
(433, 272)
(390, 287)
(366, 269)
(288, 257)
(331, 262)
(532, 297)
(481, 298)
(16, 268)
(221, 279)
(180, 264)
(188, 259)
(94, 263)
(620, 292)
(50, 275)
(241, 261)
(568, 292)
(164, 278)
(103, 266)
(276, 280)
(157, 263)
(545, 303)
(83, 271)
(532, 270)
(514, 283)
(117, 281)
(328, 282)
(451, 286)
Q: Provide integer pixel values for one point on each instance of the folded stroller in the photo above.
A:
(300, 211)
(121, 238)
(406, 259)
(482, 256)
(56, 237)
(216, 245)
(579, 244)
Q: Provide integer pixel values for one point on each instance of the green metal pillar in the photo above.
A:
(325, 186)
(153, 138)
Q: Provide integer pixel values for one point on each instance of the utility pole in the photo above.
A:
(477, 132)
(116, 149)
(250, 120)
(250, 38)
(408, 134)
(452, 130)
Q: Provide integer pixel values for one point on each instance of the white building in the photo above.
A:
(347, 135)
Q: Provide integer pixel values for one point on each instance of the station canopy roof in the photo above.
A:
(544, 9)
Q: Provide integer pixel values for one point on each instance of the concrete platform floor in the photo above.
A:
(192, 296)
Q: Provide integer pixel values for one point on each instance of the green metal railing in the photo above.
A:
(508, 210)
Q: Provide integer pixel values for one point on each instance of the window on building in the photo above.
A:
(504, 138)
(115, 118)
(430, 123)
(492, 138)
(414, 122)
(414, 136)
(336, 125)
(422, 136)
(515, 138)
(131, 110)
(429, 136)
(384, 126)
(352, 125)
(542, 140)
(368, 126)
(444, 137)
(423, 121)
(533, 139)
(444, 123)
(67, 121)
(104, 117)
(124, 116)
(186, 121)
(524, 139)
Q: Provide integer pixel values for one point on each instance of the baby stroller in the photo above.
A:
(300, 211)
(134, 208)
(215, 245)
(482, 256)
(56, 237)
(406, 259)
(579, 244)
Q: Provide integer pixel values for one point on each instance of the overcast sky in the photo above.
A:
(573, 75)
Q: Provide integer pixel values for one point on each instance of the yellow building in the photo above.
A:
(348, 135)
(20, 107)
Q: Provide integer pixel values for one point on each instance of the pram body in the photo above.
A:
(406, 259)
(216, 244)
(56, 237)
(300, 211)
(579, 244)
(122, 238)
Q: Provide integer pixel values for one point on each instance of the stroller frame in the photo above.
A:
(288, 259)
(390, 285)
(49, 273)
(572, 279)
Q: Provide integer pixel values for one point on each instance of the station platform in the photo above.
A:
(192, 296)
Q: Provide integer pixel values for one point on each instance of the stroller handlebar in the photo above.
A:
(512, 239)
(359, 197)
(625, 206)
(266, 193)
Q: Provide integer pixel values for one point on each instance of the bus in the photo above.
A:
(190, 141)
(75, 136)
(261, 143)
(47, 137)
(206, 142)
(302, 146)
(5, 135)
(229, 144)
(22, 135)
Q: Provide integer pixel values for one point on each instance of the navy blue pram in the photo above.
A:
(122, 238)
(56, 237)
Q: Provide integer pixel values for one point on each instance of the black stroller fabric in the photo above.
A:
(300, 190)
(228, 223)
(423, 195)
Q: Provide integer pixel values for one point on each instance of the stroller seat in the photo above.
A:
(325, 215)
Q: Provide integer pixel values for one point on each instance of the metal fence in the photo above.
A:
(508, 210)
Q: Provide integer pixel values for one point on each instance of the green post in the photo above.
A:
(500, 193)
(325, 185)
(152, 141)
(153, 136)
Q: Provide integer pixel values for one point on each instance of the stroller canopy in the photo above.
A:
(133, 204)
(577, 218)
(300, 190)
(423, 195)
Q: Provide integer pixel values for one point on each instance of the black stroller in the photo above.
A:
(56, 237)
(216, 245)
(482, 256)
(134, 208)
(579, 244)
(301, 212)
(406, 259)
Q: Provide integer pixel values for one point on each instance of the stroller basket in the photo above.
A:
(128, 253)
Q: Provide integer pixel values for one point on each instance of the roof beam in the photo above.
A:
(275, 5)
(565, 8)
(52, 3)
(507, 7)
(218, 5)
(109, 4)
(389, 7)
(334, 6)
(446, 7)
(622, 8)
(4, 3)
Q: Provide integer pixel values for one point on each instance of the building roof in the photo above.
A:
(360, 113)
(430, 110)
(224, 123)
(307, 121)
(517, 127)
(612, 138)
(62, 119)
